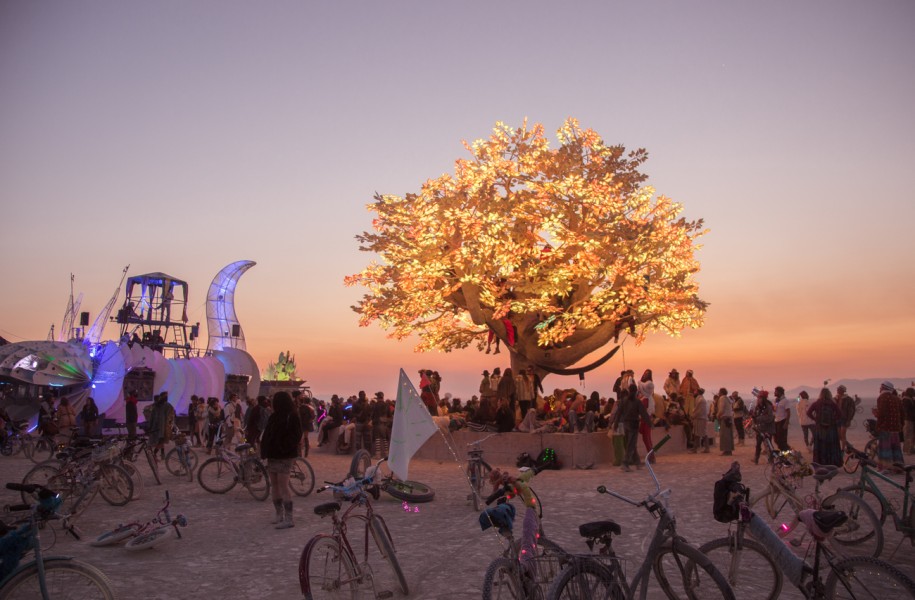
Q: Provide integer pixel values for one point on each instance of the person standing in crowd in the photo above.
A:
(848, 408)
(889, 425)
(506, 391)
(307, 418)
(782, 419)
(280, 447)
(740, 413)
(645, 394)
(700, 422)
(629, 412)
(161, 421)
(131, 415)
(381, 429)
(826, 416)
(803, 403)
(764, 421)
(66, 417)
(425, 392)
(689, 387)
(672, 384)
(89, 416)
(908, 412)
(200, 419)
(524, 390)
(725, 415)
(215, 417)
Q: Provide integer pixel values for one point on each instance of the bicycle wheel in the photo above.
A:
(386, 547)
(479, 475)
(39, 474)
(153, 464)
(216, 475)
(254, 476)
(301, 477)
(116, 535)
(150, 539)
(326, 570)
(585, 578)
(135, 477)
(65, 578)
(179, 468)
(115, 485)
(684, 572)
(862, 531)
(409, 491)
(43, 449)
(502, 580)
(871, 499)
(76, 496)
(867, 577)
(361, 461)
(750, 571)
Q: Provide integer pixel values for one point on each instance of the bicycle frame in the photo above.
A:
(866, 482)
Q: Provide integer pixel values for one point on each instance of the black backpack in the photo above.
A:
(729, 492)
(525, 460)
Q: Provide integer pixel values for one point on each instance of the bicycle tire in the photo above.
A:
(360, 462)
(696, 577)
(870, 499)
(153, 464)
(877, 578)
(479, 475)
(301, 477)
(150, 539)
(586, 577)
(764, 582)
(40, 474)
(174, 465)
(386, 547)
(115, 536)
(217, 475)
(255, 478)
(43, 449)
(326, 570)
(862, 529)
(115, 485)
(64, 577)
(503, 580)
(136, 477)
(409, 491)
(75, 496)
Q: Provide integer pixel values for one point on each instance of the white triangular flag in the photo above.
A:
(412, 427)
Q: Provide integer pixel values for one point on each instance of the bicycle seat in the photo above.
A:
(905, 468)
(824, 520)
(824, 472)
(242, 448)
(598, 529)
(328, 508)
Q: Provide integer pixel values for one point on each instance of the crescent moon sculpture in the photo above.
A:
(223, 327)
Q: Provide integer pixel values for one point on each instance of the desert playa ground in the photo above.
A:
(230, 551)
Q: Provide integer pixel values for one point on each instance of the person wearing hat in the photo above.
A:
(764, 419)
(889, 426)
(847, 410)
(672, 384)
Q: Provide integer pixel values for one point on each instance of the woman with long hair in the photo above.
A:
(826, 416)
(280, 447)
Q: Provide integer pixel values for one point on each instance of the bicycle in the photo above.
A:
(221, 473)
(785, 474)
(673, 560)
(478, 471)
(329, 566)
(405, 490)
(867, 490)
(527, 566)
(773, 560)
(181, 461)
(141, 536)
(17, 439)
(45, 577)
(133, 447)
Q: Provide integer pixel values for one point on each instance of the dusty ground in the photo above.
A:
(230, 551)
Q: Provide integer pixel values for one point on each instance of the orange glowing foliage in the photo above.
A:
(566, 242)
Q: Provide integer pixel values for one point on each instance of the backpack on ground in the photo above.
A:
(729, 492)
(525, 460)
(547, 459)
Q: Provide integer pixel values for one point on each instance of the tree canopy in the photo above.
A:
(566, 243)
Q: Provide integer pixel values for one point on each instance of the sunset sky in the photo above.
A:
(183, 136)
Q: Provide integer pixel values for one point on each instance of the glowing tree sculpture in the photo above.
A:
(565, 246)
